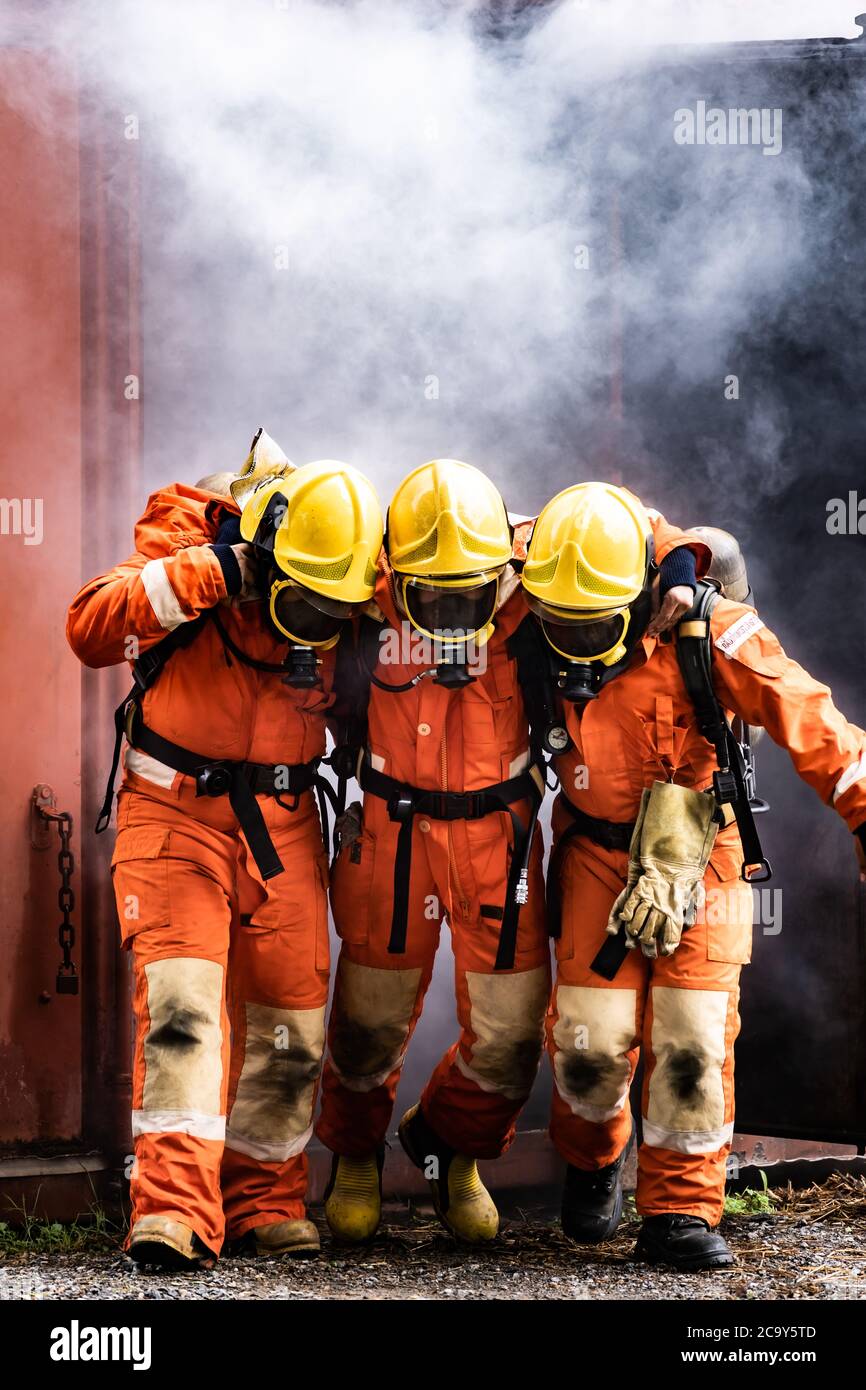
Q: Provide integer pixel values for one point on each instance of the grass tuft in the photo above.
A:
(28, 1235)
(751, 1202)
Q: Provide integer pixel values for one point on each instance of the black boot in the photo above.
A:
(682, 1242)
(592, 1201)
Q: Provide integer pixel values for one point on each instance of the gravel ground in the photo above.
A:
(784, 1256)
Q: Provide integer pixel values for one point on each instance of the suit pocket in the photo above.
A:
(728, 910)
(139, 871)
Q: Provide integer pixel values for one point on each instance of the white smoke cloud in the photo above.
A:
(362, 224)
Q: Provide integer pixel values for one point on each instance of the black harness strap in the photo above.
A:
(145, 672)
(529, 649)
(352, 688)
(730, 782)
(242, 782)
(607, 833)
(405, 802)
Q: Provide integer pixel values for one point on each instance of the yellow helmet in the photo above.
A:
(588, 561)
(322, 526)
(448, 541)
(446, 519)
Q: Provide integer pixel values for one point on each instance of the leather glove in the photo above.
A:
(676, 839)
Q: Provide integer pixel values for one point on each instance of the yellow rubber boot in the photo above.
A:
(460, 1199)
(353, 1201)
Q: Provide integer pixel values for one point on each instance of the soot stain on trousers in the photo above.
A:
(361, 1051)
(584, 1071)
(290, 1073)
(686, 1069)
(181, 1031)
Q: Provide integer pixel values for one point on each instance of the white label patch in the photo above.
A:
(738, 633)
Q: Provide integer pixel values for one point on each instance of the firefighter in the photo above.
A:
(453, 780)
(232, 607)
(651, 828)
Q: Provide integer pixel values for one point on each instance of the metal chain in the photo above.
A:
(66, 902)
(67, 975)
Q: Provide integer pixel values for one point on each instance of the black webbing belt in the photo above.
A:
(405, 802)
(609, 834)
(242, 782)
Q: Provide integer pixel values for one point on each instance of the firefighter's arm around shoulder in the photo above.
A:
(755, 679)
(683, 558)
(176, 573)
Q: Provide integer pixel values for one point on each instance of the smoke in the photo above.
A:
(391, 230)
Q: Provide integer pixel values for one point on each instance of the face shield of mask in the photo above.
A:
(592, 640)
(583, 636)
(304, 617)
(454, 612)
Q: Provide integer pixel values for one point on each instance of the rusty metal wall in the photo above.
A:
(70, 426)
(40, 426)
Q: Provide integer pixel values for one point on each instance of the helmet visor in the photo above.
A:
(589, 640)
(305, 617)
(455, 612)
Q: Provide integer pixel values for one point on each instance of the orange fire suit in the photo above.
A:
(458, 741)
(681, 1010)
(231, 970)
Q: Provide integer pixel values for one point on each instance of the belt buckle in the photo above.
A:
(214, 779)
(400, 807)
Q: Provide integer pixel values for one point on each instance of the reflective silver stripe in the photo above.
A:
(163, 599)
(268, 1153)
(851, 775)
(684, 1141)
(193, 1122)
(149, 768)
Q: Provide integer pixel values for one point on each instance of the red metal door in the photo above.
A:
(40, 493)
(69, 491)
